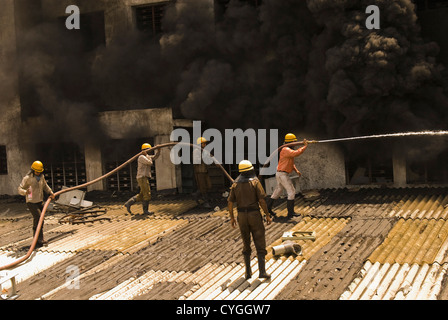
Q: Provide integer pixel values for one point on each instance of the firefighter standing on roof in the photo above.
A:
(201, 172)
(145, 162)
(248, 193)
(284, 168)
(32, 187)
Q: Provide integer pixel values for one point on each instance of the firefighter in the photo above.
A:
(32, 188)
(284, 168)
(201, 173)
(248, 193)
(144, 164)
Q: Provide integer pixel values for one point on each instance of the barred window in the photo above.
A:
(149, 18)
(3, 161)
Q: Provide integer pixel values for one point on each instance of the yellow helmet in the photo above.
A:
(201, 140)
(37, 166)
(245, 165)
(146, 146)
(290, 138)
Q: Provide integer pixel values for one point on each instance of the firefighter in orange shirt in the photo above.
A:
(284, 168)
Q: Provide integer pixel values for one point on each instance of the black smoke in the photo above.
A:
(376, 81)
(309, 65)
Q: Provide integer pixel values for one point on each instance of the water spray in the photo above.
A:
(375, 136)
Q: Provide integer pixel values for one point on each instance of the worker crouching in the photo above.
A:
(32, 188)
(249, 194)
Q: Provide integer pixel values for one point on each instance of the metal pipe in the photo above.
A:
(42, 216)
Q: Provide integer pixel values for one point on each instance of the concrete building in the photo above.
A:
(69, 163)
(73, 164)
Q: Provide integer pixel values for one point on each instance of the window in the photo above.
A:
(115, 153)
(92, 32)
(64, 164)
(368, 169)
(427, 169)
(3, 161)
(149, 18)
(430, 4)
(254, 3)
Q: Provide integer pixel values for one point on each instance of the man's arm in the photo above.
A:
(230, 200)
(264, 206)
(232, 216)
(145, 159)
(154, 158)
(48, 190)
(23, 188)
(290, 153)
(261, 195)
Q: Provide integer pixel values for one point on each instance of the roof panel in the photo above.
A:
(370, 244)
(414, 241)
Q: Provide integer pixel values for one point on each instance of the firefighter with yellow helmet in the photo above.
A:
(144, 164)
(284, 168)
(201, 174)
(249, 195)
(32, 187)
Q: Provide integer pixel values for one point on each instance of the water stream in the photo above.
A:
(389, 135)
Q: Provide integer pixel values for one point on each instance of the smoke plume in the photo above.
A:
(308, 65)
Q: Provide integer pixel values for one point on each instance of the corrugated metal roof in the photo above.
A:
(378, 202)
(335, 265)
(370, 244)
(122, 235)
(410, 264)
(38, 262)
(397, 281)
(414, 241)
(161, 209)
(325, 229)
(226, 281)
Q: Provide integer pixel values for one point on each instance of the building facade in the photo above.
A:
(71, 162)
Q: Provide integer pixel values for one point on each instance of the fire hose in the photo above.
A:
(42, 216)
(170, 144)
(39, 226)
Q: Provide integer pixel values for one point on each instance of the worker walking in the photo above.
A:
(249, 195)
(32, 188)
(201, 173)
(144, 164)
(284, 168)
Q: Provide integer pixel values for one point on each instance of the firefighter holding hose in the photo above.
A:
(144, 164)
(201, 173)
(284, 168)
(32, 188)
(249, 194)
